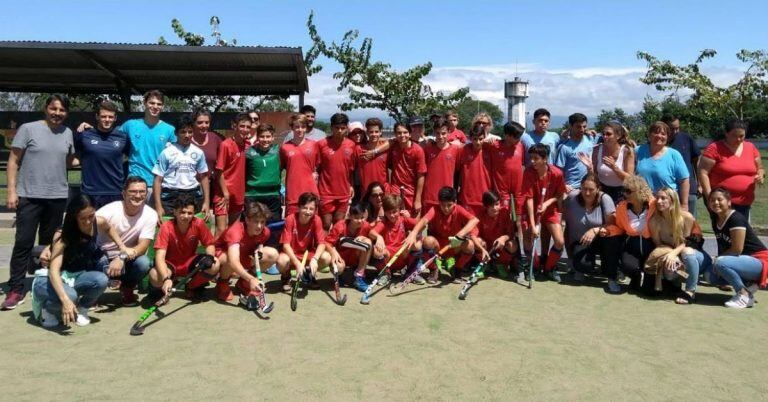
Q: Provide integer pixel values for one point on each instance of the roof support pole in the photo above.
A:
(301, 100)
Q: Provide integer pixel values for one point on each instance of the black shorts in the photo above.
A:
(273, 202)
(168, 198)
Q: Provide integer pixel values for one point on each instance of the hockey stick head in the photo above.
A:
(137, 329)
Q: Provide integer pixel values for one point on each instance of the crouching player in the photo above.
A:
(388, 237)
(446, 221)
(493, 238)
(543, 189)
(176, 250)
(303, 231)
(235, 249)
(349, 245)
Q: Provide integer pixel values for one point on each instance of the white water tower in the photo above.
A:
(516, 91)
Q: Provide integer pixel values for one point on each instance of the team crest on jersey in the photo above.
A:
(116, 144)
(449, 157)
(94, 142)
(347, 152)
(291, 153)
(195, 156)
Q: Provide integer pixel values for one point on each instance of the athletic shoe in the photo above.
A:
(82, 317)
(286, 283)
(12, 300)
(250, 302)
(554, 275)
(419, 280)
(360, 283)
(740, 300)
(613, 287)
(129, 298)
(502, 269)
(48, 320)
(521, 279)
(384, 281)
(273, 270)
(578, 276)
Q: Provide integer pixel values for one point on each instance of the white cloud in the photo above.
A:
(562, 91)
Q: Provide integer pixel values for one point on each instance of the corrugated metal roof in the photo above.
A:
(74, 67)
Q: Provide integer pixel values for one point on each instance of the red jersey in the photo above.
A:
(475, 167)
(552, 185)
(299, 162)
(210, 149)
(237, 234)
(441, 165)
(231, 163)
(457, 134)
(340, 230)
(734, 173)
(337, 162)
(394, 234)
(444, 226)
(371, 170)
(407, 165)
(180, 247)
(490, 229)
(507, 168)
(302, 237)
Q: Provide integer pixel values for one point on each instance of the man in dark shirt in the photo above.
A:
(101, 150)
(683, 143)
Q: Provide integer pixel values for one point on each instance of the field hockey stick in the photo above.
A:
(137, 329)
(518, 226)
(475, 273)
(340, 300)
(366, 298)
(396, 288)
(296, 284)
(264, 307)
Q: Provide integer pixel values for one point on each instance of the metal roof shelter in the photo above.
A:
(126, 69)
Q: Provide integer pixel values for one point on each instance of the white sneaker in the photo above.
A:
(613, 287)
(82, 317)
(48, 320)
(740, 301)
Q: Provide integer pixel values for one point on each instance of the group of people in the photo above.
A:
(354, 201)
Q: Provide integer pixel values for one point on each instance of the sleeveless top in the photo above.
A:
(605, 174)
(82, 256)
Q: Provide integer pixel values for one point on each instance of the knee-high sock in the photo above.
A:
(552, 258)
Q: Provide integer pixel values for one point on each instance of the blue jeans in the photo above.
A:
(736, 269)
(695, 264)
(692, 203)
(133, 270)
(88, 287)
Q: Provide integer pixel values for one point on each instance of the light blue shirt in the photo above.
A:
(666, 171)
(568, 160)
(146, 144)
(549, 138)
(179, 167)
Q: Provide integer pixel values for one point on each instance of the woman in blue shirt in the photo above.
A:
(662, 166)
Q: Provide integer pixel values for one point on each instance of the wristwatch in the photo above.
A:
(123, 256)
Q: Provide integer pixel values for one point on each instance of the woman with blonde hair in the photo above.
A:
(679, 242)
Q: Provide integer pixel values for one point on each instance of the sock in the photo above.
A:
(552, 259)
(197, 281)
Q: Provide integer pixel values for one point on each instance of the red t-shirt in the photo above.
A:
(444, 226)
(734, 173)
(394, 233)
(302, 237)
(457, 134)
(210, 149)
(237, 234)
(371, 170)
(441, 165)
(475, 167)
(231, 163)
(507, 168)
(552, 182)
(180, 247)
(339, 230)
(337, 162)
(299, 162)
(490, 229)
(407, 165)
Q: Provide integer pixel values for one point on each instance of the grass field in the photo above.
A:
(554, 342)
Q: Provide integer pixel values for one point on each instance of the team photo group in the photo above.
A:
(176, 208)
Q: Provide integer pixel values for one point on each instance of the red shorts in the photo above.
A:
(351, 257)
(504, 256)
(408, 200)
(182, 270)
(232, 208)
(328, 207)
(547, 217)
(400, 263)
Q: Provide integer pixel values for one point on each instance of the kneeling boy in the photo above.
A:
(349, 244)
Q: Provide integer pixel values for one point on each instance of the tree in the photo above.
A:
(375, 84)
(469, 107)
(630, 121)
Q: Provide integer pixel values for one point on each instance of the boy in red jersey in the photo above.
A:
(446, 221)
(495, 234)
(337, 162)
(388, 236)
(303, 231)
(349, 245)
(441, 157)
(474, 170)
(408, 166)
(229, 194)
(235, 249)
(455, 135)
(507, 158)
(176, 248)
(374, 168)
(299, 158)
(543, 189)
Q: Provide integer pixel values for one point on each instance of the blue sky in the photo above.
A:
(577, 55)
